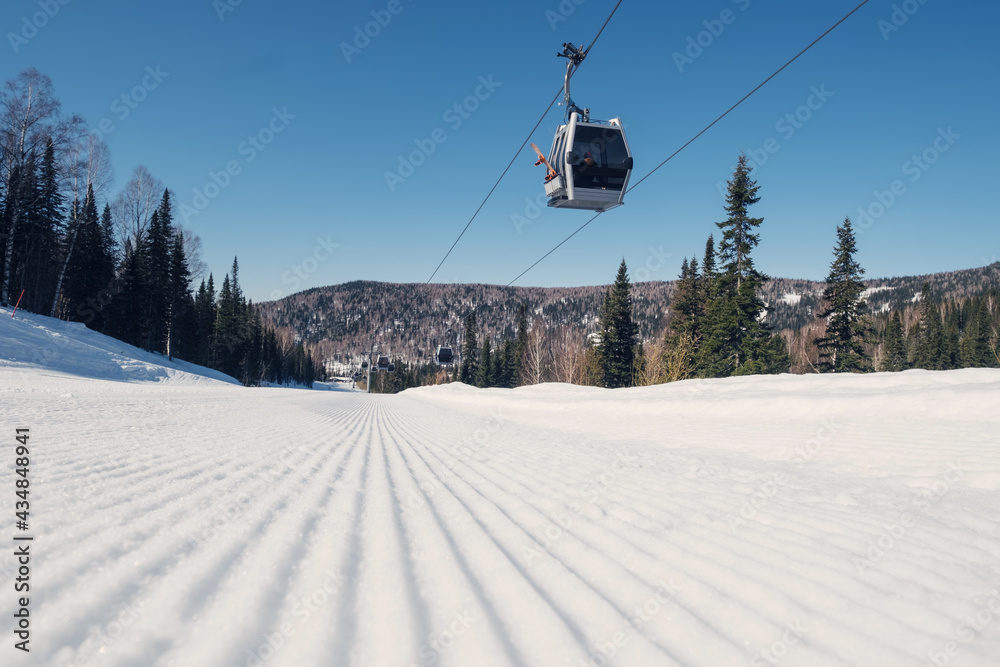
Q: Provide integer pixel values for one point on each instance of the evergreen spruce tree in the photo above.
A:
(686, 301)
(47, 223)
(684, 328)
(181, 320)
(736, 340)
(228, 342)
(155, 252)
(521, 345)
(950, 354)
(927, 352)
(205, 315)
(467, 372)
(708, 260)
(128, 308)
(894, 346)
(848, 329)
(507, 372)
(254, 363)
(975, 343)
(485, 372)
(90, 270)
(619, 333)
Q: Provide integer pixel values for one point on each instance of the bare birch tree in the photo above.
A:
(567, 355)
(134, 206)
(536, 356)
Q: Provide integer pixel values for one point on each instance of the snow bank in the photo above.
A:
(35, 342)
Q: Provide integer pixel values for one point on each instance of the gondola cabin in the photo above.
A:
(592, 164)
(445, 356)
(383, 363)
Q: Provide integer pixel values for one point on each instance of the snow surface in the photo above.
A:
(795, 520)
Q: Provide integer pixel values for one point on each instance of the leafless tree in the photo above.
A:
(536, 356)
(567, 355)
(134, 206)
(192, 251)
(654, 366)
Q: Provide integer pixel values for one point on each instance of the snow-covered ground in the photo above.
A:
(795, 520)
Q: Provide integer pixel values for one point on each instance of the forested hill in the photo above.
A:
(410, 320)
(791, 303)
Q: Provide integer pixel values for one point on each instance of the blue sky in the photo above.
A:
(309, 128)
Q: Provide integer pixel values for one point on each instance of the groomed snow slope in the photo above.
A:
(803, 521)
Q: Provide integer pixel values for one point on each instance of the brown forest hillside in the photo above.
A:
(409, 320)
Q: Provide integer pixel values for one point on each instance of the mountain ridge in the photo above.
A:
(408, 320)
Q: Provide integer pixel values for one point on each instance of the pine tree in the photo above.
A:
(619, 333)
(848, 329)
(975, 342)
(687, 302)
(89, 269)
(507, 371)
(521, 345)
(228, 342)
(950, 354)
(180, 317)
(205, 323)
(894, 346)
(128, 308)
(155, 253)
(468, 371)
(927, 352)
(735, 339)
(485, 372)
(708, 261)
(45, 228)
(684, 329)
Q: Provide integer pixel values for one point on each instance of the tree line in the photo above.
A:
(717, 325)
(122, 267)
